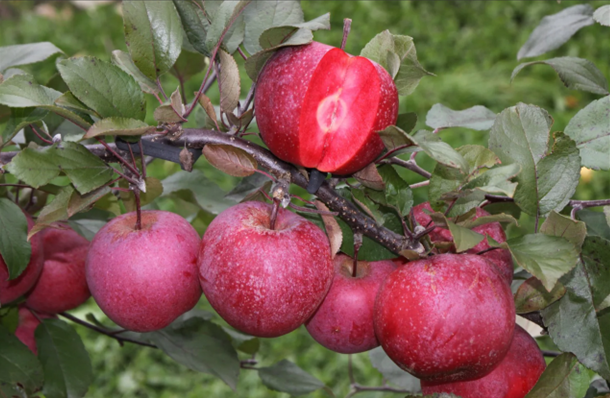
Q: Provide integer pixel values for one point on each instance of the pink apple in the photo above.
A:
(27, 326)
(264, 282)
(144, 279)
(344, 321)
(13, 289)
(514, 377)
(62, 284)
(319, 107)
(448, 317)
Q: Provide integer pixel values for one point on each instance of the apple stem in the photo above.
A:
(136, 192)
(357, 246)
(274, 210)
(347, 26)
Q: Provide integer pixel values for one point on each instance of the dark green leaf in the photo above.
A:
(263, 15)
(287, 377)
(119, 126)
(103, 87)
(477, 118)
(66, 363)
(392, 372)
(204, 192)
(14, 247)
(532, 296)
(575, 73)
(597, 225)
(274, 36)
(591, 131)
(597, 263)
(463, 238)
(554, 30)
(558, 225)
(200, 345)
(195, 23)
(123, 60)
(370, 250)
(247, 186)
(68, 100)
(406, 121)
(153, 34)
(602, 15)
(397, 191)
(21, 91)
(19, 119)
(36, 167)
(243, 342)
(24, 54)
(17, 364)
(563, 378)
(227, 12)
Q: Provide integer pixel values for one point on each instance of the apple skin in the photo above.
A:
(62, 285)
(514, 377)
(448, 317)
(319, 107)
(144, 279)
(27, 326)
(344, 321)
(13, 289)
(501, 258)
(264, 282)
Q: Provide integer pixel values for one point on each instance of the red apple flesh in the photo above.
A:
(344, 321)
(444, 318)
(319, 107)
(13, 289)
(62, 285)
(514, 377)
(261, 281)
(144, 279)
(27, 326)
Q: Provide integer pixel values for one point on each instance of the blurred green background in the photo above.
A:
(471, 46)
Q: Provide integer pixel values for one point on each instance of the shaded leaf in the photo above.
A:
(333, 231)
(370, 177)
(229, 83)
(230, 160)
(398, 194)
(68, 100)
(19, 119)
(597, 264)
(532, 296)
(263, 15)
(14, 247)
(247, 186)
(195, 187)
(123, 60)
(18, 366)
(118, 126)
(392, 372)
(226, 13)
(477, 117)
(195, 23)
(280, 34)
(287, 377)
(243, 342)
(596, 223)
(563, 378)
(406, 121)
(25, 54)
(558, 225)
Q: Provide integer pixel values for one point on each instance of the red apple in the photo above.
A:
(62, 284)
(264, 282)
(448, 317)
(27, 326)
(344, 321)
(13, 289)
(514, 377)
(319, 107)
(144, 279)
(438, 234)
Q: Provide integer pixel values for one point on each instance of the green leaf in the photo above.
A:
(226, 13)
(597, 264)
(263, 15)
(195, 23)
(496, 180)
(287, 377)
(18, 366)
(69, 101)
(119, 126)
(601, 15)
(200, 345)
(14, 247)
(154, 189)
(243, 342)
(21, 91)
(575, 73)
(66, 363)
(19, 119)
(406, 121)
(590, 129)
(392, 372)
(103, 87)
(554, 30)
(533, 296)
(228, 82)
(123, 60)
(472, 223)
(35, 166)
(247, 186)
(274, 36)
(597, 225)
(24, 54)
(153, 34)
(563, 378)
(477, 117)
(546, 257)
(197, 188)
(464, 238)
(558, 225)
(367, 205)
(576, 327)
(397, 191)
(370, 250)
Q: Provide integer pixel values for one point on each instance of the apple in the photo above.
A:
(514, 377)
(501, 258)
(27, 326)
(319, 107)
(444, 318)
(344, 321)
(144, 278)
(62, 285)
(12, 289)
(265, 282)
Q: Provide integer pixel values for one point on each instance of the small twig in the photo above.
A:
(161, 88)
(274, 210)
(39, 136)
(133, 157)
(119, 157)
(420, 184)
(126, 177)
(347, 26)
(487, 250)
(450, 206)
(158, 98)
(551, 354)
(136, 193)
(313, 211)
(142, 159)
(240, 51)
(248, 100)
(409, 164)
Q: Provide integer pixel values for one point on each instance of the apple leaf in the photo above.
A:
(406, 121)
(201, 346)
(532, 296)
(464, 238)
(370, 177)
(546, 257)
(230, 160)
(287, 377)
(263, 15)
(247, 186)
(477, 117)
(575, 73)
(565, 377)
(195, 23)
(392, 372)
(171, 112)
(18, 365)
(241, 341)
(118, 126)
(276, 35)
(225, 13)
(21, 91)
(229, 84)
(196, 188)
(69, 101)
(154, 189)
(397, 192)
(601, 16)
(554, 30)
(558, 225)
(591, 132)
(333, 230)
(597, 263)
(123, 60)
(367, 205)
(370, 250)
(65, 361)
(472, 223)
(597, 224)
(14, 247)
(25, 54)
(103, 87)
(19, 119)
(153, 34)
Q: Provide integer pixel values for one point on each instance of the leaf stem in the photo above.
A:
(347, 26)
(136, 193)
(119, 157)
(143, 166)
(39, 136)
(274, 211)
